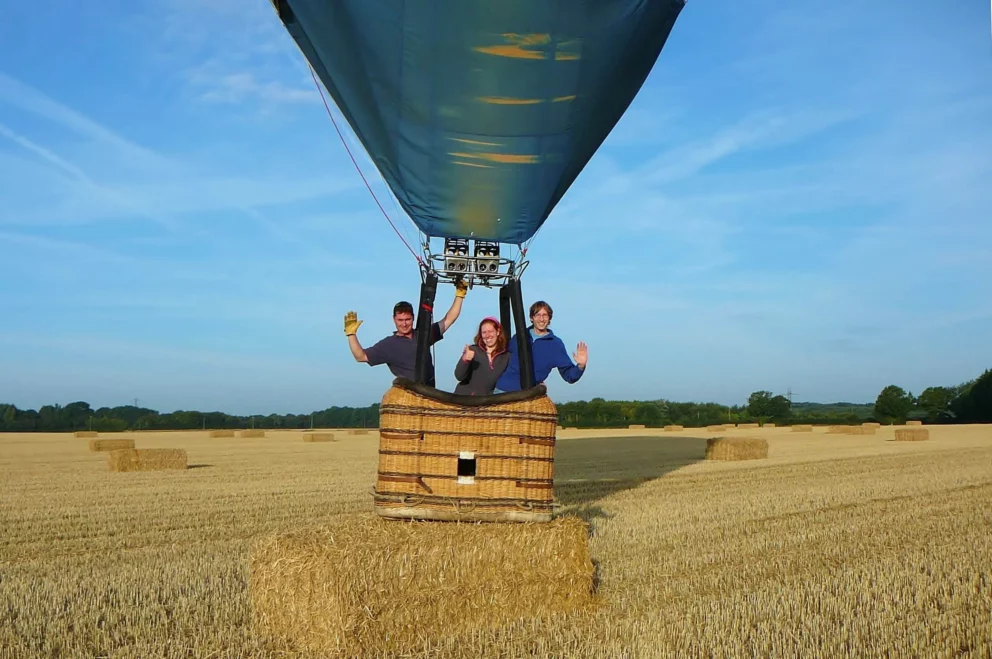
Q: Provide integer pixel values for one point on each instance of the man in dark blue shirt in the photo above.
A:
(399, 351)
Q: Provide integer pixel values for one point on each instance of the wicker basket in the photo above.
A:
(474, 458)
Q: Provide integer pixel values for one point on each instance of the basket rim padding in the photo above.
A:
(469, 401)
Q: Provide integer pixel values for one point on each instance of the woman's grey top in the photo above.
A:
(478, 377)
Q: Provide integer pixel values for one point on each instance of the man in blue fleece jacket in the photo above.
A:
(547, 352)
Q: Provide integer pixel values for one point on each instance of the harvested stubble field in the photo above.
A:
(835, 545)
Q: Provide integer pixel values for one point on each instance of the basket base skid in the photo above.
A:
(452, 515)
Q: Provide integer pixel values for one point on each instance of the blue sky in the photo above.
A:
(799, 197)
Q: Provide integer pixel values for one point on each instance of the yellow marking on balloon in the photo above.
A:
(475, 215)
(505, 158)
(568, 51)
(507, 100)
(465, 141)
(471, 164)
(529, 46)
(563, 99)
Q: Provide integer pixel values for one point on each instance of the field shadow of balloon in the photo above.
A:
(587, 470)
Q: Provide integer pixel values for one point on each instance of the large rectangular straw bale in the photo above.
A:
(318, 437)
(736, 448)
(358, 431)
(748, 426)
(251, 433)
(146, 459)
(374, 587)
(768, 425)
(222, 433)
(636, 426)
(838, 430)
(85, 433)
(916, 422)
(871, 424)
(716, 428)
(673, 428)
(802, 428)
(110, 444)
(912, 434)
(861, 430)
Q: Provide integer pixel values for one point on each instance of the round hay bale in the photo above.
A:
(736, 448)
(802, 428)
(370, 586)
(912, 434)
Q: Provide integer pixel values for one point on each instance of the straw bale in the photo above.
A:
(871, 424)
(838, 430)
(146, 459)
(673, 428)
(251, 433)
(736, 448)
(912, 434)
(916, 422)
(748, 426)
(85, 433)
(715, 428)
(636, 426)
(358, 431)
(374, 587)
(318, 437)
(860, 430)
(769, 425)
(802, 428)
(222, 433)
(110, 444)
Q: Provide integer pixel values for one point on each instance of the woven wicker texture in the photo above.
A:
(439, 456)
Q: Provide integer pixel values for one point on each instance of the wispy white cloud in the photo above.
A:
(243, 86)
(16, 94)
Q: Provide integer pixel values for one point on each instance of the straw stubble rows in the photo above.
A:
(879, 547)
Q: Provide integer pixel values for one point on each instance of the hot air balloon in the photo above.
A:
(479, 115)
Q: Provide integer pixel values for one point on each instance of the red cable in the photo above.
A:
(354, 162)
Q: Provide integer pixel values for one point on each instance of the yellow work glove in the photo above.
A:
(461, 288)
(351, 323)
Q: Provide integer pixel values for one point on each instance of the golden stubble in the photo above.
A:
(833, 545)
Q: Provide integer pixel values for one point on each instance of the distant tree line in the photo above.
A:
(80, 416)
(970, 402)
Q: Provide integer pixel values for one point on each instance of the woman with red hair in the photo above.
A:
(482, 363)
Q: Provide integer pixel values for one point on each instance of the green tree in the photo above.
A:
(936, 401)
(893, 405)
(974, 405)
(762, 406)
